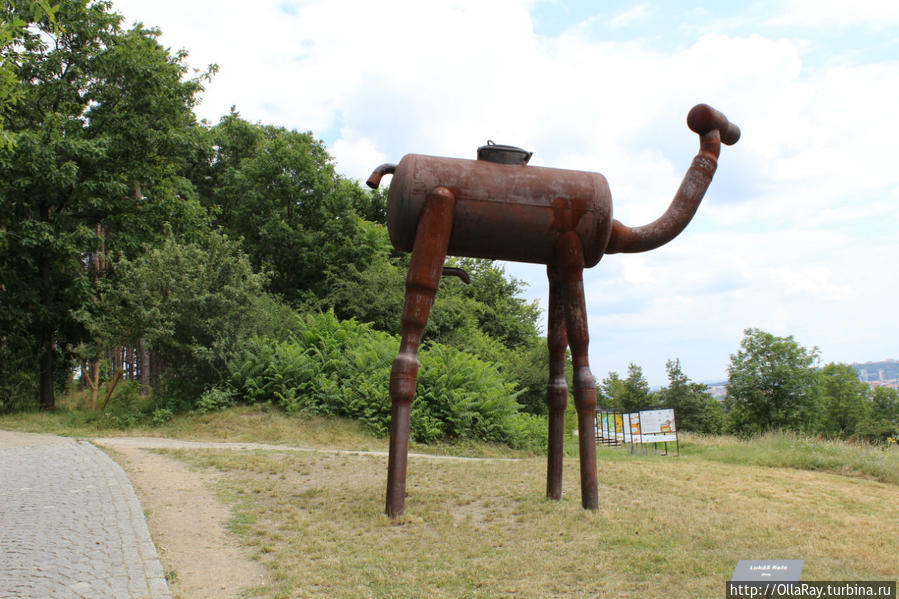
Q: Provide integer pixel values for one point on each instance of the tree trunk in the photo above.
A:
(90, 372)
(111, 387)
(47, 396)
(144, 368)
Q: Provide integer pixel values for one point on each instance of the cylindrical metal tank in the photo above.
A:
(503, 211)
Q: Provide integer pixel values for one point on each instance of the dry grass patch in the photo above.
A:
(483, 529)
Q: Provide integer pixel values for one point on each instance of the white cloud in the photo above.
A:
(354, 153)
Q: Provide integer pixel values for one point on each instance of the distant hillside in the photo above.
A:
(875, 371)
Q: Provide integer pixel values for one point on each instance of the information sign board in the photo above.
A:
(658, 426)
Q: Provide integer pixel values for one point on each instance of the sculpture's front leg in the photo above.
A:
(425, 267)
(570, 262)
(557, 388)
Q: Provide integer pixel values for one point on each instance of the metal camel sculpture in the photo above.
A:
(498, 207)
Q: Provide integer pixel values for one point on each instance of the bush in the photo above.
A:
(126, 408)
(342, 368)
(213, 400)
(162, 416)
(460, 396)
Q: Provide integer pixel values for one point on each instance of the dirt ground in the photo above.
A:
(187, 522)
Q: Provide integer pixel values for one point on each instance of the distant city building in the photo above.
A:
(887, 373)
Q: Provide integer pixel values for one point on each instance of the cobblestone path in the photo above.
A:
(70, 524)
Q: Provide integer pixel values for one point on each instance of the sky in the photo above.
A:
(797, 232)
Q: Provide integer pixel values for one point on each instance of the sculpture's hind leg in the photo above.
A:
(428, 253)
(557, 388)
(570, 261)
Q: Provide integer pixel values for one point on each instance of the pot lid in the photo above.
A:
(501, 154)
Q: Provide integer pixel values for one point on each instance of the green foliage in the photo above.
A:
(528, 367)
(329, 367)
(102, 126)
(636, 394)
(370, 205)
(772, 384)
(215, 399)
(694, 407)
(885, 405)
(485, 319)
(195, 304)
(342, 368)
(496, 306)
(12, 28)
(126, 409)
(631, 394)
(882, 423)
(610, 391)
(461, 396)
(277, 189)
(373, 291)
(844, 400)
(162, 416)
(18, 383)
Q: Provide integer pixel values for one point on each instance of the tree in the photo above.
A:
(278, 190)
(844, 400)
(630, 394)
(610, 391)
(636, 390)
(499, 310)
(883, 416)
(195, 303)
(11, 30)
(694, 407)
(101, 118)
(372, 292)
(528, 368)
(370, 205)
(772, 384)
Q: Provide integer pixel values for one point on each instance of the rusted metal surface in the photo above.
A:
(425, 269)
(498, 207)
(557, 387)
(539, 203)
(374, 180)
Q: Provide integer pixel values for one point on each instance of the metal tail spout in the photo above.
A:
(375, 179)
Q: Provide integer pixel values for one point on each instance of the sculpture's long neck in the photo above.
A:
(683, 206)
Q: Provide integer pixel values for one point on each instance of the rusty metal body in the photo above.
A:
(539, 204)
(497, 207)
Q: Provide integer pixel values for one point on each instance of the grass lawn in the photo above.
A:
(672, 527)
(666, 527)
